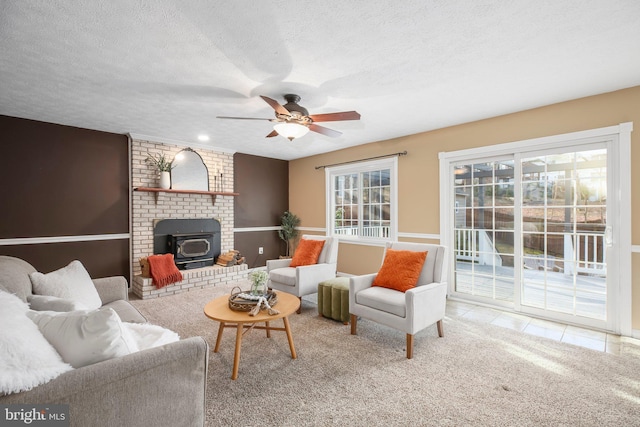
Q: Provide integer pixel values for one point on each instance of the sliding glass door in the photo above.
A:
(484, 229)
(531, 229)
(563, 213)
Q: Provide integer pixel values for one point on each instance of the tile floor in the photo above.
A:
(595, 340)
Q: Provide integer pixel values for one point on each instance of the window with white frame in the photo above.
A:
(361, 200)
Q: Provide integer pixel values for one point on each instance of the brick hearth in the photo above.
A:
(192, 279)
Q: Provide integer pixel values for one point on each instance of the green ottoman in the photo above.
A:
(333, 299)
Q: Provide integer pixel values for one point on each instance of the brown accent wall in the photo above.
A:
(100, 258)
(263, 187)
(418, 198)
(64, 181)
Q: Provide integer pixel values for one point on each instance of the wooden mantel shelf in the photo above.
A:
(213, 194)
(168, 190)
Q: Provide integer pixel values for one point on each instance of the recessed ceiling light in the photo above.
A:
(203, 138)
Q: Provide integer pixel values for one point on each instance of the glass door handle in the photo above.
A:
(608, 236)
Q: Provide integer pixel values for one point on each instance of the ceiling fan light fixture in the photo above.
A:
(293, 121)
(291, 130)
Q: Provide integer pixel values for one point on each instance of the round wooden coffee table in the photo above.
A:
(218, 309)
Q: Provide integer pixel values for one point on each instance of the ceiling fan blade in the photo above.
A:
(272, 134)
(276, 105)
(335, 117)
(325, 131)
(242, 118)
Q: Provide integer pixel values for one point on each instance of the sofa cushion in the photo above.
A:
(14, 276)
(26, 358)
(49, 303)
(85, 337)
(71, 282)
(126, 311)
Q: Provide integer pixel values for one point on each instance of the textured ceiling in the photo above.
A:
(167, 68)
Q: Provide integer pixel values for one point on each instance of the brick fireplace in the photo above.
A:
(148, 208)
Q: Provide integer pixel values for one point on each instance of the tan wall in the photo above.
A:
(418, 171)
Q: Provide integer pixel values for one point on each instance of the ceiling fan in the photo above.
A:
(293, 120)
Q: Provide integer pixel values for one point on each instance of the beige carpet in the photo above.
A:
(477, 374)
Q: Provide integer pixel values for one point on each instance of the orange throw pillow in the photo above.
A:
(307, 252)
(400, 270)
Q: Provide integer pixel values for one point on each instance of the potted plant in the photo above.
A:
(288, 232)
(258, 282)
(162, 165)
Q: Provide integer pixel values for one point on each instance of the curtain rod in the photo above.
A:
(400, 153)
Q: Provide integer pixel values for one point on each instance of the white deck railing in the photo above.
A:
(476, 246)
(590, 256)
(377, 231)
(465, 245)
(590, 253)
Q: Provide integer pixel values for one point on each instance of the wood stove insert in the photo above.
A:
(194, 243)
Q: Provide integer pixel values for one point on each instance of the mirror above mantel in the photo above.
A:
(190, 175)
(189, 172)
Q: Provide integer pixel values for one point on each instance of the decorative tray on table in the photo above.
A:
(243, 300)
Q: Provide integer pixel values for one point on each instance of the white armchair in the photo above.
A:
(303, 280)
(409, 311)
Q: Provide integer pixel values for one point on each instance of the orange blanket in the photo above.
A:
(163, 270)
